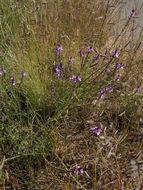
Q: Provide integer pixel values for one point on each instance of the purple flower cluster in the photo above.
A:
(59, 70)
(119, 66)
(12, 79)
(97, 130)
(109, 89)
(115, 53)
(58, 51)
(2, 71)
(133, 13)
(139, 88)
(118, 78)
(102, 92)
(23, 74)
(79, 170)
(90, 49)
(107, 69)
(95, 58)
(75, 79)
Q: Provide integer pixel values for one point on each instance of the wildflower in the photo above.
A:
(118, 78)
(102, 94)
(115, 53)
(90, 49)
(58, 50)
(133, 13)
(23, 74)
(119, 66)
(96, 130)
(107, 69)
(75, 78)
(76, 171)
(13, 82)
(139, 88)
(78, 78)
(79, 170)
(109, 89)
(58, 71)
(95, 58)
(2, 71)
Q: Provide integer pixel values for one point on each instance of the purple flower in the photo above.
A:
(75, 78)
(95, 58)
(102, 93)
(79, 170)
(109, 89)
(96, 130)
(13, 82)
(90, 49)
(58, 50)
(107, 69)
(118, 78)
(115, 53)
(58, 71)
(139, 88)
(78, 78)
(133, 13)
(2, 71)
(119, 66)
(23, 74)
(76, 171)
